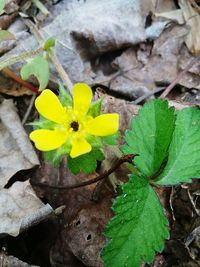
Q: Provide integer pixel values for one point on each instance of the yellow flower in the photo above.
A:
(72, 124)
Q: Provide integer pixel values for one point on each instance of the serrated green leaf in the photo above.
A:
(139, 227)
(39, 68)
(2, 4)
(86, 163)
(64, 97)
(5, 35)
(150, 136)
(184, 153)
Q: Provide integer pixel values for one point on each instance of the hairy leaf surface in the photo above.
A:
(150, 136)
(139, 227)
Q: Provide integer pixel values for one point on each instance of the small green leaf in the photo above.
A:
(2, 4)
(43, 123)
(39, 68)
(51, 42)
(111, 139)
(95, 108)
(5, 35)
(86, 163)
(55, 156)
(64, 97)
(139, 227)
(184, 153)
(150, 136)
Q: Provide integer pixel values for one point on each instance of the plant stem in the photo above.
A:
(127, 158)
(16, 78)
(23, 56)
(63, 74)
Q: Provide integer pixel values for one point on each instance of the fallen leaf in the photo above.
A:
(20, 209)
(16, 151)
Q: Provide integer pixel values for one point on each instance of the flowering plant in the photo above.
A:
(69, 127)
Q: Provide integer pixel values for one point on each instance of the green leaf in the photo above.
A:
(39, 68)
(139, 227)
(55, 156)
(64, 97)
(5, 35)
(150, 136)
(2, 4)
(86, 163)
(184, 153)
(111, 139)
(51, 42)
(95, 108)
(43, 123)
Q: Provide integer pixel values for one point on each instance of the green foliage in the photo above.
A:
(50, 43)
(184, 153)
(168, 144)
(39, 68)
(43, 123)
(86, 163)
(55, 156)
(150, 136)
(5, 35)
(2, 4)
(139, 227)
(111, 139)
(95, 108)
(64, 97)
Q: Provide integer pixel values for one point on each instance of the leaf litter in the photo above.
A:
(144, 62)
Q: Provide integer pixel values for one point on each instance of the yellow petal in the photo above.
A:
(46, 140)
(103, 125)
(49, 106)
(79, 147)
(82, 96)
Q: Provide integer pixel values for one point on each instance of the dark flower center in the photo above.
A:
(74, 125)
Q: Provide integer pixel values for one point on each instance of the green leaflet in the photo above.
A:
(86, 163)
(184, 153)
(150, 136)
(39, 68)
(64, 97)
(139, 227)
(95, 108)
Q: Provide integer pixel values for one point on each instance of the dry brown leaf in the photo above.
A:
(16, 151)
(189, 16)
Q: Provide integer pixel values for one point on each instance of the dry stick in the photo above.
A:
(16, 78)
(180, 75)
(127, 158)
(63, 74)
(28, 110)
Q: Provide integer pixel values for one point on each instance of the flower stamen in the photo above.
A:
(75, 126)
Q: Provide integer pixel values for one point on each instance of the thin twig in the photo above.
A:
(23, 56)
(63, 74)
(143, 97)
(192, 203)
(16, 78)
(28, 109)
(127, 158)
(180, 75)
